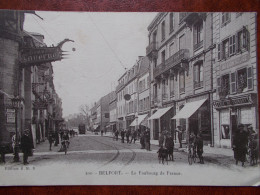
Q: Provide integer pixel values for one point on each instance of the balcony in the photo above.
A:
(175, 59)
(192, 17)
(151, 49)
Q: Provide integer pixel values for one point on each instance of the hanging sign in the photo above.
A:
(10, 115)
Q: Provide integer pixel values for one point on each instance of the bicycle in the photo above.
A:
(65, 144)
(192, 156)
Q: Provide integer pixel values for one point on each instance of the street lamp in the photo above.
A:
(16, 105)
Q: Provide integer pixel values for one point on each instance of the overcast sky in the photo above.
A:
(104, 43)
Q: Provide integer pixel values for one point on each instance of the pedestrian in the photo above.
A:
(134, 135)
(51, 139)
(13, 143)
(147, 140)
(180, 132)
(102, 132)
(26, 145)
(161, 140)
(128, 132)
(169, 145)
(122, 136)
(199, 145)
(142, 140)
(240, 143)
(56, 135)
(116, 134)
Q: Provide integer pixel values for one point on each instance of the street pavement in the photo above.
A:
(91, 156)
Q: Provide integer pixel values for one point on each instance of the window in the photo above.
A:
(106, 115)
(225, 47)
(232, 45)
(225, 132)
(155, 62)
(163, 57)
(198, 75)
(155, 91)
(182, 42)
(171, 22)
(164, 88)
(225, 18)
(163, 30)
(223, 86)
(242, 80)
(198, 35)
(243, 40)
(182, 82)
(171, 49)
(182, 16)
(172, 86)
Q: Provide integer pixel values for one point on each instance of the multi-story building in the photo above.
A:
(143, 90)
(180, 52)
(234, 74)
(120, 103)
(112, 111)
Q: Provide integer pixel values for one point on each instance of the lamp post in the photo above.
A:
(16, 105)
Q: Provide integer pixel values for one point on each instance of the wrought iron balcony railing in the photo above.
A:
(172, 61)
(152, 47)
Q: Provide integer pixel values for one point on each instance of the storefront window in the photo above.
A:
(225, 132)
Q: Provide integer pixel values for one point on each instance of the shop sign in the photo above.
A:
(40, 105)
(10, 115)
(32, 56)
(234, 101)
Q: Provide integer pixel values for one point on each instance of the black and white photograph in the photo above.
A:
(128, 98)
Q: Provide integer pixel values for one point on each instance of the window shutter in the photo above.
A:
(247, 39)
(231, 45)
(236, 43)
(219, 51)
(233, 83)
(218, 85)
(195, 35)
(250, 84)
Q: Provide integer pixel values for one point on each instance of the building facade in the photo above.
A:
(234, 75)
(180, 52)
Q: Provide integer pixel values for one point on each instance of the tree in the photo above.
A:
(84, 110)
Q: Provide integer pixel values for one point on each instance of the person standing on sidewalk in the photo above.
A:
(26, 145)
(134, 135)
(122, 136)
(180, 132)
(199, 144)
(240, 143)
(51, 139)
(147, 140)
(128, 132)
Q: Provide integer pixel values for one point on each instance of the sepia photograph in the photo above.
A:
(128, 98)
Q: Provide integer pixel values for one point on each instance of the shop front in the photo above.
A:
(161, 121)
(194, 118)
(129, 119)
(229, 113)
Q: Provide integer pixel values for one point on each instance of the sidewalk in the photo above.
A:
(206, 149)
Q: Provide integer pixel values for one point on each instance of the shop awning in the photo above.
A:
(95, 126)
(159, 113)
(138, 120)
(189, 109)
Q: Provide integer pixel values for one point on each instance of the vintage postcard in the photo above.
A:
(107, 98)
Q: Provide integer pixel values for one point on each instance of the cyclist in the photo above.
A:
(65, 139)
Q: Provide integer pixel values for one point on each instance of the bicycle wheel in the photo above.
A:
(190, 159)
(194, 157)
(65, 148)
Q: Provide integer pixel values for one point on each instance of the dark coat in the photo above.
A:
(26, 144)
(240, 146)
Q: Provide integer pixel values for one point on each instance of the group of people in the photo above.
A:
(62, 135)
(130, 136)
(245, 139)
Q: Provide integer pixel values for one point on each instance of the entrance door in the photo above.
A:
(233, 127)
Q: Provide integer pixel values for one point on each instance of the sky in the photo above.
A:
(104, 44)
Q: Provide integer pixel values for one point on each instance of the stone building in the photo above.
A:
(180, 52)
(234, 75)
(112, 112)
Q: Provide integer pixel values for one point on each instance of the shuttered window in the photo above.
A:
(219, 51)
(233, 83)
(250, 84)
(232, 45)
(218, 85)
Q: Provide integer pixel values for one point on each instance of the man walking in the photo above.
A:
(51, 139)
(26, 145)
(122, 136)
(179, 130)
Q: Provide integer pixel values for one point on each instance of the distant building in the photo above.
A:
(112, 112)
